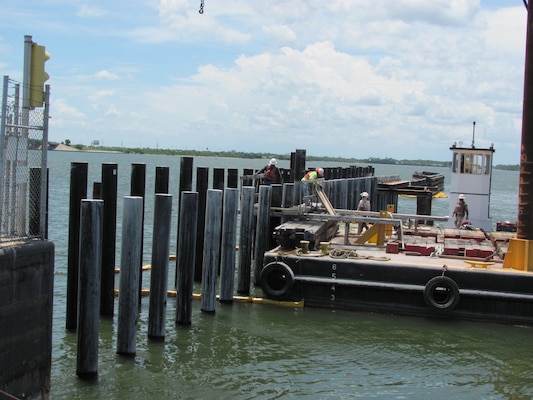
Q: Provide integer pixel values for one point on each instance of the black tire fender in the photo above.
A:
(441, 293)
(276, 280)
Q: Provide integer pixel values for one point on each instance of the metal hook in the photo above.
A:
(201, 11)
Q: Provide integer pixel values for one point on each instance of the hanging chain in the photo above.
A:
(201, 11)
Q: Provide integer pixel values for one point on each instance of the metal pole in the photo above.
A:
(2, 142)
(26, 76)
(525, 192)
(44, 165)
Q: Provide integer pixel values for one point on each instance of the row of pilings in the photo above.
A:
(211, 224)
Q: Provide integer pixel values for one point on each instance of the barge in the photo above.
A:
(425, 271)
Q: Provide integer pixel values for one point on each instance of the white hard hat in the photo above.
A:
(320, 171)
(273, 161)
(461, 197)
(364, 194)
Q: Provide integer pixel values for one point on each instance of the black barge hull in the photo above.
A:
(401, 284)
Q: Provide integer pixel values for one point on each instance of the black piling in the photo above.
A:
(130, 254)
(161, 179)
(186, 169)
(233, 178)
(229, 241)
(246, 240)
(78, 191)
(211, 259)
(262, 232)
(185, 258)
(90, 262)
(138, 189)
(97, 190)
(247, 174)
(287, 198)
(298, 171)
(159, 274)
(109, 196)
(218, 178)
(276, 201)
(202, 185)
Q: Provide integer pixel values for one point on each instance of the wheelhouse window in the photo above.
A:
(471, 163)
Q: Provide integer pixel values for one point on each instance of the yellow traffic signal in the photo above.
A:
(38, 75)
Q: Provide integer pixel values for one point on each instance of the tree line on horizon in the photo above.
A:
(255, 155)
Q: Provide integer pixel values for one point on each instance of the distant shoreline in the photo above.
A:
(236, 154)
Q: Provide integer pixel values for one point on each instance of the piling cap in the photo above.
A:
(461, 197)
(364, 194)
(273, 161)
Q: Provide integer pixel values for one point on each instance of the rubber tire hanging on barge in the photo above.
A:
(441, 293)
(276, 280)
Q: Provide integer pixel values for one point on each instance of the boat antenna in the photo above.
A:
(473, 132)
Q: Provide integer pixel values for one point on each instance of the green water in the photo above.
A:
(254, 351)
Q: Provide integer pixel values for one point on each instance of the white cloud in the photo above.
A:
(86, 10)
(106, 75)
(342, 77)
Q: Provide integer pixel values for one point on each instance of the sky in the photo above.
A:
(403, 79)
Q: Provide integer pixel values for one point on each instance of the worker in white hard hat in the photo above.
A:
(364, 205)
(270, 172)
(460, 212)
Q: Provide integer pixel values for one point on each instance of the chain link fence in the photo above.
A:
(23, 151)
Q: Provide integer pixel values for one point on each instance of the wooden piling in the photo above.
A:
(159, 272)
(246, 240)
(109, 196)
(90, 263)
(262, 232)
(211, 250)
(185, 258)
(130, 254)
(229, 241)
(78, 191)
